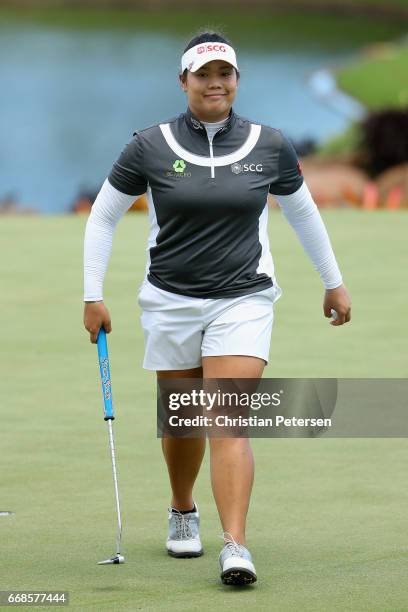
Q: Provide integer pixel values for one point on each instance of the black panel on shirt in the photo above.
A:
(290, 176)
(205, 238)
(127, 172)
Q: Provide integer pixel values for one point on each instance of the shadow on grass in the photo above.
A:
(108, 589)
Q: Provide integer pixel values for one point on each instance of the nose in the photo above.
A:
(214, 83)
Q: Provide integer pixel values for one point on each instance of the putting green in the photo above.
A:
(327, 517)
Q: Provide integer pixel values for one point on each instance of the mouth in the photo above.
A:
(214, 96)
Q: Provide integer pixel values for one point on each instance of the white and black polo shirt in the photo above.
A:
(207, 202)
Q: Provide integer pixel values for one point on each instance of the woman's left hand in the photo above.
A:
(339, 300)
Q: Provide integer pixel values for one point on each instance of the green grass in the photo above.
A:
(248, 29)
(380, 80)
(326, 516)
(386, 3)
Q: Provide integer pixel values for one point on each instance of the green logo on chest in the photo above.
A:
(179, 165)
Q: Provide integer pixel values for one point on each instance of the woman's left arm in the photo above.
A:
(303, 215)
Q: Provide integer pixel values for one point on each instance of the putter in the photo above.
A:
(108, 417)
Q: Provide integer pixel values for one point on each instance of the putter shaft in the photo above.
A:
(115, 482)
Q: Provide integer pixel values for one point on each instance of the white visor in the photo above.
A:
(199, 55)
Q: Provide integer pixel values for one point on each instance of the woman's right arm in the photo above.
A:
(109, 206)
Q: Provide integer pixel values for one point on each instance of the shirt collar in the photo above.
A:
(195, 124)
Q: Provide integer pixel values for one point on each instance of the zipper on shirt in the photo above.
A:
(212, 159)
(210, 142)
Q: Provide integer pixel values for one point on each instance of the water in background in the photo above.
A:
(71, 100)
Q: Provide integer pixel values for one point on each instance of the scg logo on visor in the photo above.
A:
(206, 48)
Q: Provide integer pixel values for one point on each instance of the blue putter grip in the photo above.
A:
(105, 374)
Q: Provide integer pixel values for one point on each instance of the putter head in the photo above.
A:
(113, 561)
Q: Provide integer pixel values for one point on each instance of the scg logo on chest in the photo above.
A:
(238, 168)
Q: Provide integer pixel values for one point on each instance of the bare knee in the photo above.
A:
(229, 444)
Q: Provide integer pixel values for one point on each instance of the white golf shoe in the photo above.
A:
(236, 562)
(184, 537)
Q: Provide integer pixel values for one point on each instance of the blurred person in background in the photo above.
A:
(208, 295)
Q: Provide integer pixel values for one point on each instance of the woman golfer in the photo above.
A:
(208, 293)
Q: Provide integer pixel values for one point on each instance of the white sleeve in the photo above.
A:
(109, 206)
(302, 213)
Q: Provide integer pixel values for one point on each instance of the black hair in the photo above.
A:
(203, 36)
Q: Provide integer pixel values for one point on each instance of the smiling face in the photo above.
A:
(211, 90)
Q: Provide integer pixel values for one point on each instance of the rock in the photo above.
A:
(393, 186)
(334, 183)
(140, 205)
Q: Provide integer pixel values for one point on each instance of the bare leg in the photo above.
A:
(232, 462)
(183, 455)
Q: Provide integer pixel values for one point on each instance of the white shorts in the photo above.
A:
(179, 330)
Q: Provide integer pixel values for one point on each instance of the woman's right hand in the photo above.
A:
(96, 315)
